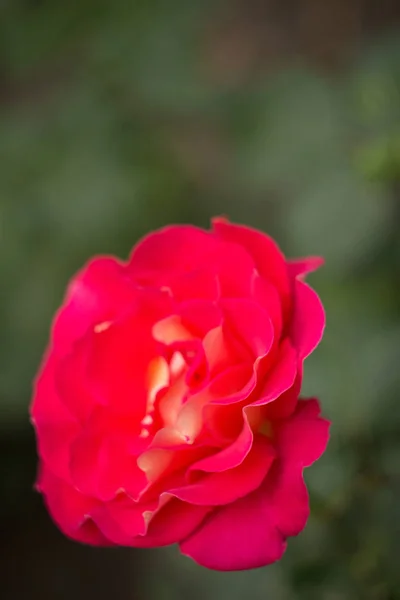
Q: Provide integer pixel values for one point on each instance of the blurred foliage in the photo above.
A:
(113, 121)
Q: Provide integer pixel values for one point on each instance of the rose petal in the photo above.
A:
(97, 294)
(122, 519)
(200, 284)
(235, 269)
(268, 258)
(161, 256)
(286, 403)
(251, 532)
(227, 486)
(175, 521)
(303, 438)
(199, 316)
(102, 466)
(281, 376)
(308, 321)
(229, 457)
(56, 428)
(70, 509)
(250, 324)
(300, 267)
(119, 364)
(71, 381)
(265, 294)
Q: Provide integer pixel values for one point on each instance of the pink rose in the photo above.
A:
(167, 407)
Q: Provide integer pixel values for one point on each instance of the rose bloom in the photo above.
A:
(167, 406)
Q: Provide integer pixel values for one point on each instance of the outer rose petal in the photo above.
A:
(251, 532)
(160, 256)
(303, 438)
(70, 509)
(99, 292)
(280, 378)
(308, 321)
(55, 426)
(285, 405)
(71, 381)
(102, 464)
(268, 258)
(302, 266)
(175, 521)
(224, 487)
(122, 519)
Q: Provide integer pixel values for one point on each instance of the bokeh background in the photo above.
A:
(119, 117)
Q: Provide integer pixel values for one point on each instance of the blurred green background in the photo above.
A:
(119, 117)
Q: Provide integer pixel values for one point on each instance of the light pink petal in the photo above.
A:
(175, 521)
(227, 486)
(308, 321)
(303, 438)
(56, 428)
(252, 531)
(268, 258)
(98, 293)
(70, 509)
(302, 266)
